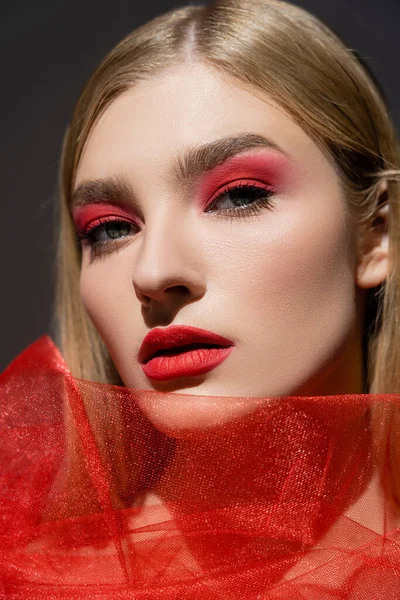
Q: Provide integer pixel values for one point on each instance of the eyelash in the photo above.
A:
(260, 204)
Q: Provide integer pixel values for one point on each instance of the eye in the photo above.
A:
(105, 234)
(248, 198)
(110, 230)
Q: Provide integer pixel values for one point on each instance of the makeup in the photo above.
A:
(185, 364)
(181, 351)
(88, 214)
(281, 286)
(268, 168)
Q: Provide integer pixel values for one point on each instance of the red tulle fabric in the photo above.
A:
(287, 500)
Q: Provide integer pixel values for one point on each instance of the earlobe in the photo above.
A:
(373, 262)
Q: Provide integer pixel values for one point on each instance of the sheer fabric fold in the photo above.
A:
(286, 498)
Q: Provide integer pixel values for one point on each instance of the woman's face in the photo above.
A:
(187, 250)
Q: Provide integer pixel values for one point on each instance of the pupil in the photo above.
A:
(249, 194)
(117, 230)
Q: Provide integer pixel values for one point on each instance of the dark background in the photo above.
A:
(48, 49)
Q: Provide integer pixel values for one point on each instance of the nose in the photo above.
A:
(167, 271)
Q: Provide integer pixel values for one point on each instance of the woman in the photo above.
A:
(223, 420)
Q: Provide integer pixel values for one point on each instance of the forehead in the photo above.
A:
(156, 120)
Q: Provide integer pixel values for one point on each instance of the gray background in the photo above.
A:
(48, 50)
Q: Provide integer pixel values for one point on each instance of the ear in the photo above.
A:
(372, 266)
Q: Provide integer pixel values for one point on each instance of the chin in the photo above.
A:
(186, 415)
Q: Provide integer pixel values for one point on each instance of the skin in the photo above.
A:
(287, 286)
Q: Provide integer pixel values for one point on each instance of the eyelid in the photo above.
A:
(85, 227)
(237, 183)
(103, 220)
(85, 216)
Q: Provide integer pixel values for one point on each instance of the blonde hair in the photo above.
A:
(288, 53)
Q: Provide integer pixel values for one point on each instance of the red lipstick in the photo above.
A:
(181, 351)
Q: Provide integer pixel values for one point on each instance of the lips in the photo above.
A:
(176, 350)
(182, 351)
(178, 339)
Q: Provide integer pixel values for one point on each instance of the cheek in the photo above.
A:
(294, 285)
(306, 267)
(108, 297)
(291, 254)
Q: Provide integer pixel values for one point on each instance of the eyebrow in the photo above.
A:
(196, 161)
(192, 164)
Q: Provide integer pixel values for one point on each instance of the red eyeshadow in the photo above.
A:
(83, 215)
(273, 170)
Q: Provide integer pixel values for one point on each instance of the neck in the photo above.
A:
(280, 475)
